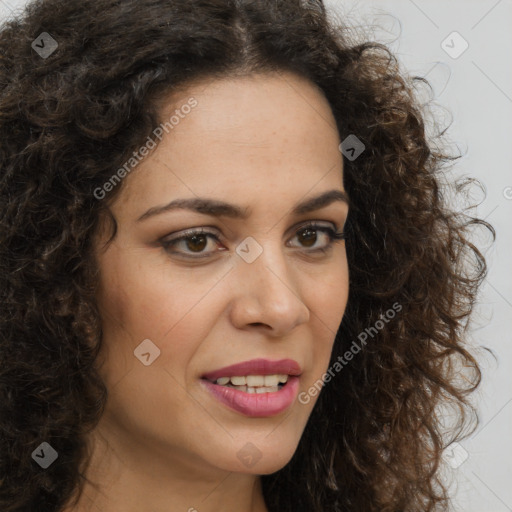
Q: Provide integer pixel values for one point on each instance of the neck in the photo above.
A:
(128, 477)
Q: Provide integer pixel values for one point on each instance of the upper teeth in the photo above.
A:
(253, 380)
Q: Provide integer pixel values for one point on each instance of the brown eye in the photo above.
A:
(196, 243)
(308, 237)
(190, 243)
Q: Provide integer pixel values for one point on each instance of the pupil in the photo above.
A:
(192, 241)
(310, 236)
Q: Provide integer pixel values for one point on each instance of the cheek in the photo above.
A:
(154, 302)
(327, 298)
(135, 296)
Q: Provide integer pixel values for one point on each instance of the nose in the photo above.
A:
(268, 294)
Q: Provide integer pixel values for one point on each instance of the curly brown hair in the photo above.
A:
(374, 440)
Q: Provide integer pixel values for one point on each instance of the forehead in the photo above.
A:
(242, 134)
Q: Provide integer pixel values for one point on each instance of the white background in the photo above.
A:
(476, 88)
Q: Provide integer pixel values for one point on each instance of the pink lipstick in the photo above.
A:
(255, 388)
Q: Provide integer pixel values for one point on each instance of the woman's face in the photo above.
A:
(249, 287)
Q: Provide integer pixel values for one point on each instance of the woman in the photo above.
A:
(229, 277)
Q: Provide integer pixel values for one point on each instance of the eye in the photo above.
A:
(308, 236)
(194, 242)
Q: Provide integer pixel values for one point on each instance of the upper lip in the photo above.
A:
(256, 367)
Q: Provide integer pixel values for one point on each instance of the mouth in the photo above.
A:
(256, 367)
(255, 388)
(253, 383)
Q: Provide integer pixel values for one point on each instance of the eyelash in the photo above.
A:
(334, 237)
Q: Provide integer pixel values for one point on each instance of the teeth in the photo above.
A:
(255, 380)
(262, 389)
(251, 382)
(271, 380)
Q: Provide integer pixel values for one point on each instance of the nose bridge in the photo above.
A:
(265, 261)
(268, 290)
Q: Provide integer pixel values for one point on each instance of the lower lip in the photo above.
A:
(256, 405)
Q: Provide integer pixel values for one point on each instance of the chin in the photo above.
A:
(261, 457)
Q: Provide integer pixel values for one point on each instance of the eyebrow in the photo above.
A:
(218, 208)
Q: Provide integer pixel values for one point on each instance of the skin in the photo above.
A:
(164, 444)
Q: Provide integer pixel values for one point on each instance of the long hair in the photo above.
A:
(76, 102)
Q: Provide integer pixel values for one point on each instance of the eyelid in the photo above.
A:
(187, 233)
(201, 230)
(335, 236)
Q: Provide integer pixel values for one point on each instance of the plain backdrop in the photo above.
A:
(471, 76)
(464, 49)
